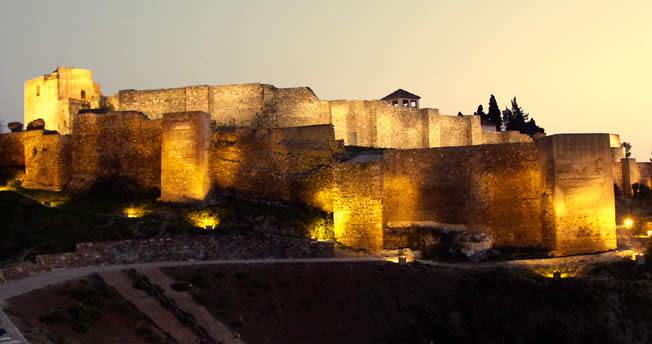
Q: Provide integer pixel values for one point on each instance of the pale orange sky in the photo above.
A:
(577, 66)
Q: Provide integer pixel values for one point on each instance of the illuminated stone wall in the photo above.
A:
(556, 193)
(118, 144)
(358, 202)
(490, 188)
(492, 137)
(645, 172)
(291, 164)
(257, 105)
(12, 147)
(47, 162)
(184, 159)
(577, 170)
(628, 172)
(153, 103)
(56, 97)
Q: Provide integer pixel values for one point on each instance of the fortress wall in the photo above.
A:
(628, 172)
(434, 127)
(47, 162)
(618, 174)
(256, 105)
(235, 104)
(299, 106)
(579, 197)
(399, 127)
(491, 137)
(153, 103)
(185, 157)
(631, 175)
(375, 123)
(290, 164)
(12, 147)
(645, 172)
(490, 188)
(460, 131)
(356, 125)
(197, 99)
(117, 144)
(358, 203)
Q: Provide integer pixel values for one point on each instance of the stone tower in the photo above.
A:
(58, 96)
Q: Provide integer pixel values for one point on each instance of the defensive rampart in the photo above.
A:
(12, 147)
(556, 193)
(291, 164)
(121, 144)
(48, 161)
(256, 105)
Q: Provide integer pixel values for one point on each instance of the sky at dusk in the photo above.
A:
(576, 66)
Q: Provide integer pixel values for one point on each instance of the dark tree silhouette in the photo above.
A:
(517, 119)
(480, 112)
(460, 114)
(494, 113)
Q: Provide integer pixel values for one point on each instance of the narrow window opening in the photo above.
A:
(38, 90)
(83, 94)
(406, 103)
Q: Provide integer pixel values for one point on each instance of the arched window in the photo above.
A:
(83, 94)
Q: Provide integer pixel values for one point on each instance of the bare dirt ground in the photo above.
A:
(318, 303)
(390, 303)
(81, 311)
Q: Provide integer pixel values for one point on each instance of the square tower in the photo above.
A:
(57, 97)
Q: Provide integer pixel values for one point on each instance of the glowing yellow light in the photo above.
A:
(649, 233)
(6, 188)
(203, 219)
(321, 230)
(558, 272)
(52, 204)
(628, 223)
(135, 211)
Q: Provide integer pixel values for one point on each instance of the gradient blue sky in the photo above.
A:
(577, 66)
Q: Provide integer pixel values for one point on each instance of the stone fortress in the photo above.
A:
(420, 168)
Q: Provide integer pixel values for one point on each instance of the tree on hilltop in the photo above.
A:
(480, 112)
(518, 120)
(494, 114)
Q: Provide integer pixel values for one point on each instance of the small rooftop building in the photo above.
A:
(402, 98)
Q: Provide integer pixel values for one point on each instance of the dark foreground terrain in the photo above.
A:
(81, 311)
(364, 303)
(389, 303)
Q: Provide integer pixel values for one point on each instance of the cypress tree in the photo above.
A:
(494, 114)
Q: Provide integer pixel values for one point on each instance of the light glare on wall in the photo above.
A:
(628, 223)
